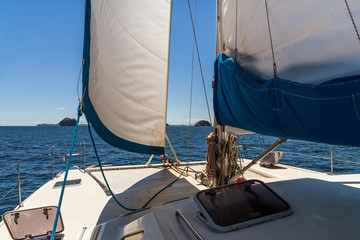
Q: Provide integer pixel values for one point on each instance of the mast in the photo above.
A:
(218, 129)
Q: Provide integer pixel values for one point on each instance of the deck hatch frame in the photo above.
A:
(239, 205)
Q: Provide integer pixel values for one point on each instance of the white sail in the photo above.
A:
(313, 40)
(128, 57)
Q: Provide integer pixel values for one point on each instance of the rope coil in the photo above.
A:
(212, 168)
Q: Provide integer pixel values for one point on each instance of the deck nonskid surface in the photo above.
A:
(324, 206)
(137, 186)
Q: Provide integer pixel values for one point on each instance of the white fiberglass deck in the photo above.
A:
(324, 206)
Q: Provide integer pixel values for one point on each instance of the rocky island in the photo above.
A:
(202, 123)
(67, 122)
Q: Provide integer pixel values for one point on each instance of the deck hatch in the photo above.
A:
(36, 223)
(73, 182)
(240, 205)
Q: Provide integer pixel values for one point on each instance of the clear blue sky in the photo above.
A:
(40, 57)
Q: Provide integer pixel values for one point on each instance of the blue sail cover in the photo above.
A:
(327, 113)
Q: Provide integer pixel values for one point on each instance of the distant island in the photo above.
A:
(46, 125)
(67, 122)
(202, 123)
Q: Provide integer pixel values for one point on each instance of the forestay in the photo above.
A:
(126, 56)
(294, 69)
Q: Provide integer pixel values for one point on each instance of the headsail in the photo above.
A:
(126, 56)
(313, 93)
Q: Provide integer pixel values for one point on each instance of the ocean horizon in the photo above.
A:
(32, 147)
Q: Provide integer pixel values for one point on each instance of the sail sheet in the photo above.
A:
(126, 56)
(316, 93)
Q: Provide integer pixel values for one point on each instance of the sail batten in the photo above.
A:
(125, 72)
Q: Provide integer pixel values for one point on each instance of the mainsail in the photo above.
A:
(126, 57)
(290, 69)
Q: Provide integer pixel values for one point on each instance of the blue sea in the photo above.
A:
(32, 148)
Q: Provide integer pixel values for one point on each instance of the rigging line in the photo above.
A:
(108, 186)
(293, 153)
(77, 88)
(352, 19)
(236, 23)
(191, 88)
(312, 156)
(35, 155)
(271, 41)
(46, 166)
(164, 188)
(187, 141)
(340, 160)
(102, 172)
(167, 73)
(8, 167)
(110, 157)
(8, 192)
(198, 55)
(66, 173)
(33, 174)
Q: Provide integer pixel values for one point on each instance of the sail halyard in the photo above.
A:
(125, 73)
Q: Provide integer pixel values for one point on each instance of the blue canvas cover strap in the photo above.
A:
(327, 113)
(89, 109)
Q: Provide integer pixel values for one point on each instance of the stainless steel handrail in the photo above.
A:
(18, 185)
(52, 163)
(332, 162)
(188, 225)
(84, 157)
(312, 156)
(331, 158)
(19, 188)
